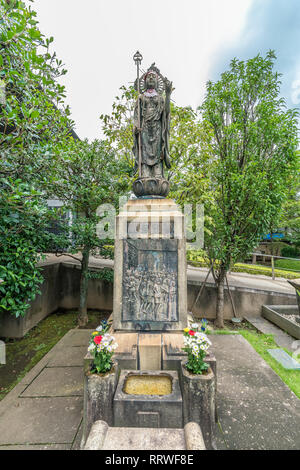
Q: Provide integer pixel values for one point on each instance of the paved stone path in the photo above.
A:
(256, 409)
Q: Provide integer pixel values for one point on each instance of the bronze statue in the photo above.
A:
(151, 133)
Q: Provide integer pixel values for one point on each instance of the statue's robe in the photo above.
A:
(155, 125)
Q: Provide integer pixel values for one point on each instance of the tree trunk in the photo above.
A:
(82, 314)
(219, 322)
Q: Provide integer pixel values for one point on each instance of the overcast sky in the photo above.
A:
(191, 41)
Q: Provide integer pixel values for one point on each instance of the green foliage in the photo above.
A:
(107, 251)
(118, 127)
(290, 213)
(254, 146)
(31, 126)
(30, 121)
(87, 176)
(254, 154)
(23, 235)
(290, 252)
(105, 274)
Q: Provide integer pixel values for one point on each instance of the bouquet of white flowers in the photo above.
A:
(102, 346)
(196, 344)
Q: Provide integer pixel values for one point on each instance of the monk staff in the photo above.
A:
(138, 60)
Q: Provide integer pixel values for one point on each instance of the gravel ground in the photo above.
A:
(292, 318)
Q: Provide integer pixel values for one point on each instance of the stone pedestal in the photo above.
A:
(150, 284)
(99, 390)
(198, 393)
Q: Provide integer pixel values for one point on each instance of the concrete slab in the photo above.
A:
(284, 359)
(126, 354)
(144, 439)
(149, 351)
(281, 338)
(56, 382)
(259, 424)
(38, 447)
(173, 343)
(77, 440)
(76, 337)
(256, 409)
(41, 420)
(69, 356)
(245, 384)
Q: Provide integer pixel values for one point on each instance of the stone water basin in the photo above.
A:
(149, 399)
(148, 385)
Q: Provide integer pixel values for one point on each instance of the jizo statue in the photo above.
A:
(151, 132)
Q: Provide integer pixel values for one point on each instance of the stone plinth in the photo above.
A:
(148, 411)
(150, 283)
(99, 390)
(198, 393)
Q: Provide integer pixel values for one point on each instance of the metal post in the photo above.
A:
(138, 59)
(273, 270)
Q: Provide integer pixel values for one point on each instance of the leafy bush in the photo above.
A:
(23, 222)
(290, 252)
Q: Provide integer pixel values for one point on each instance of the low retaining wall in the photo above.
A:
(60, 290)
(273, 314)
(248, 302)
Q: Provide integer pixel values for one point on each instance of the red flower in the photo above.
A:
(97, 339)
(191, 332)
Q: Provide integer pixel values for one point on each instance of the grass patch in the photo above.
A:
(293, 265)
(24, 353)
(261, 342)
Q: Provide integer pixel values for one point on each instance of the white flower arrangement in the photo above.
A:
(102, 346)
(196, 344)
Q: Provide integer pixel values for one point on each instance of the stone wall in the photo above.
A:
(248, 302)
(60, 290)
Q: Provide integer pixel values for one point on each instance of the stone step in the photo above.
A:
(144, 439)
(281, 338)
(103, 437)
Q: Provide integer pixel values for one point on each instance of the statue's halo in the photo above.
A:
(160, 81)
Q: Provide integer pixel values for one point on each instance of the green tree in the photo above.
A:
(290, 214)
(84, 177)
(33, 118)
(254, 152)
(22, 235)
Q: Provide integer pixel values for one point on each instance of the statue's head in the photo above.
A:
(151, 80)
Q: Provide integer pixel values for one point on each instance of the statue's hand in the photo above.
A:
(168, 86)
(137, 130)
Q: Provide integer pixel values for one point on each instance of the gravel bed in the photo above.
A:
(291, 317)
